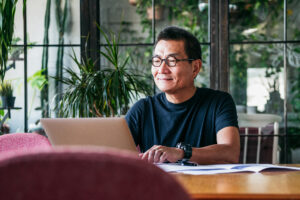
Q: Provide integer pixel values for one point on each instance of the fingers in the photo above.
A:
(163, 157)
(155, 154)
(151, 156)
(158, 153)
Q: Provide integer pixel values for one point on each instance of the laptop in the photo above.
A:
(105, 132)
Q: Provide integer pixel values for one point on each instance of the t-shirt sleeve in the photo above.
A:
(134, 120)
(226, 112)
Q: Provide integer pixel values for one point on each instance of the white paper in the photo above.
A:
(220, 169)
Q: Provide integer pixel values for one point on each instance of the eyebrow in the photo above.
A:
(171, 54)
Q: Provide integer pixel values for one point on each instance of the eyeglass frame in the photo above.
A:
(167, 62)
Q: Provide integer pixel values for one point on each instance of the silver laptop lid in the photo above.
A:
(107, 132)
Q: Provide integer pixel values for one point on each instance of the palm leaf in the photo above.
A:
(106, 92)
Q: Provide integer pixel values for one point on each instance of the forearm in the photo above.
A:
(226, 151)
(216, 154)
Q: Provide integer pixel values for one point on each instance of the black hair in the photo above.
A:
(192, 45)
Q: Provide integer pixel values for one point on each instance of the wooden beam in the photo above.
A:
(214, 44)
(223, 46)
(90, 35)
(219, 51)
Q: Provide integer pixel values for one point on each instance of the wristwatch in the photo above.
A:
(187, 148)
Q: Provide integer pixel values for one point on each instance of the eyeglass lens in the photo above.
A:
(170, 61)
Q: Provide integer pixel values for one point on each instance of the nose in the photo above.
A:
(163, 67)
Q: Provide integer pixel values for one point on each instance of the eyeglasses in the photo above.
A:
(171, 61)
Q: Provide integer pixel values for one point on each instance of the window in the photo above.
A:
(264, 63)
(29, 62)
(253, 52)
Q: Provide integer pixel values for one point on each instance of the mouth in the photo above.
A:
(164, 79)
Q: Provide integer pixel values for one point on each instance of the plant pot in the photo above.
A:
(5, 128)
(159, 11)
(8, 102)
(133, 2)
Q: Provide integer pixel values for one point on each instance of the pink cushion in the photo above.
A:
(63, 174)
(22, 141)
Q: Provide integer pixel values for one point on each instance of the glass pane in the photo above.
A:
(256, 77)
(37, 22)
(293, 146)
(55, 69)
(293, 88)
(293, 20)
(18, 26)
(191, 15)
(15, 74)
(203, 78)
(38, 97)
(138, 63)
(35, 81)
(119, 16)
(256, 20)
(135, 21)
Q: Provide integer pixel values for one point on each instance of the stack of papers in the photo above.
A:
(220, 169)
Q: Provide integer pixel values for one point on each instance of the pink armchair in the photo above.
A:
(22, 142)
(62, 174)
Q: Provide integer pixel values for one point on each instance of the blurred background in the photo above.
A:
(251, 48)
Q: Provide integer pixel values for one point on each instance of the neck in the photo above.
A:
(182, 96)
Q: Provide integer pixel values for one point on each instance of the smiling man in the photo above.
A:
(183, 122)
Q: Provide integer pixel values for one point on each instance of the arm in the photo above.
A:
(226, 150)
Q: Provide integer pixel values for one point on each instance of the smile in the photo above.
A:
(164, 79)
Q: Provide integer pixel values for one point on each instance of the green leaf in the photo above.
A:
(107, 91)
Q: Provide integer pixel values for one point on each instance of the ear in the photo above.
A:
(197, 64)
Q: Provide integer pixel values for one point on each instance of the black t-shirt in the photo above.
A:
(156, 121)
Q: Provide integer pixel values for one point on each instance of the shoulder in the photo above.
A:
(211, 91)
(139, 105)
(215, 95)
(145, 103)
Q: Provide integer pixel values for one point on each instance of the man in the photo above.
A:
(183, 122)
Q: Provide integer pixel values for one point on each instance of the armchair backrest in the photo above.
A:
(81, 175)
(22, 141)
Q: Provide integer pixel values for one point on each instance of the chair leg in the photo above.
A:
(275, 143)
(245, 145)
(258, 145)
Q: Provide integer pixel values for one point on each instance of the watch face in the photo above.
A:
(180, 145)
(187, 148)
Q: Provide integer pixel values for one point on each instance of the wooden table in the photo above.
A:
(265, 185)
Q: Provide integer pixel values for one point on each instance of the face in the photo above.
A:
(176, 79)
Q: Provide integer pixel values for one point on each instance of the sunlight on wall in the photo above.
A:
(258, 88)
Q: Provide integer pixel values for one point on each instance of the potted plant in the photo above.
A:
(105, 92)
(7, 15)
(6, 93)
(145, 9)
(133, 2)
(159, 12)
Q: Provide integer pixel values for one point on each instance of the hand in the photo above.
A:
(159, 154)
